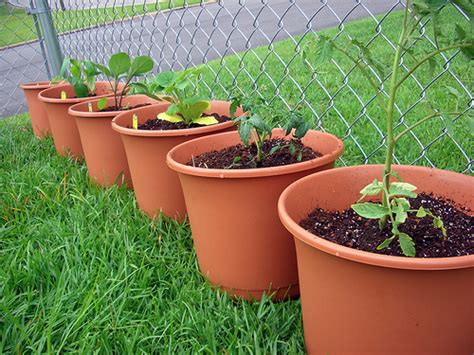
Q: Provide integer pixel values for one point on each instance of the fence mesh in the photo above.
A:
(254, 46)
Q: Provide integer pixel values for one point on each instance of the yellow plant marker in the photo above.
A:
(89, 106)
(63, 95)
(206, 120)
(135, 121)
(170, 118)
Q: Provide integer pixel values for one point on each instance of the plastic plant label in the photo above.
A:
(63, 95)
(135, 121)
(206, 120)
(170, 118)
(89, 106)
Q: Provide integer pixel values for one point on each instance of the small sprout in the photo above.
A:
(63, 95)
(80, 74)
(135, 121)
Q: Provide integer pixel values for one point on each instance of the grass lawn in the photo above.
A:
(82, 270)
(16, 26)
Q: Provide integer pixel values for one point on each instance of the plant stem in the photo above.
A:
(390, 113)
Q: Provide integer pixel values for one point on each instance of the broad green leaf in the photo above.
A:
(297, 122)
(81, 90)
(370, 210)
(402, 189)
(165, 79)
(206, 120)
(235, 103)
(141, 65)
(193, 111)
(119, 64)
(402, 202)
(64, 67)
(385, 243)
(103, 69)
(421, 212)
(75, 71)
(245, 130)
(406, 244)
(102, 103)
(372, 189)
(172, 110)
(170, 118)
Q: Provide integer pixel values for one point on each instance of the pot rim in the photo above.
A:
(395, 262)
(256, 172)
(170, 132)
(69, 100)
(37, 85)
(74, 109)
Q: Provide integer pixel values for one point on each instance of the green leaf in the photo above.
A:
(297, 123)
(141, 65)
(402, 189)
(81, 90)
(102, 103)
(406, 244)
(385, 243)
(166, 79)
(119, 64)
(438, 223)
(245, 129)
(193, 108)
(103, 70)
(64, 67)
(372, 189)
(324, 49)
(421, 212)
(370, 210)
(234, 104)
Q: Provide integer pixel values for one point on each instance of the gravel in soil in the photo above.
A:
(349, 229)
(156, 124)
(124, 108)
(244, 157)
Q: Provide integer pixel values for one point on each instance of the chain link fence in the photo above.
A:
(255, 46)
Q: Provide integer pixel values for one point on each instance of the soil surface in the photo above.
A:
(124, 108)
(155, 124)
(242, 157)
(349, 229)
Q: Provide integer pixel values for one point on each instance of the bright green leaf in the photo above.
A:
(385, 243)
(119, 64)
(406, 244)
(370, 210)
(102, 103)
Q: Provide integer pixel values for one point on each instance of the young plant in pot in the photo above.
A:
(231, 183)
(81, 75)
(103, 149)
(39, 118)
(150, 132)
(375, 242)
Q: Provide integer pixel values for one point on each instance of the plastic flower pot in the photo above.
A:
(39, 118)
(240, 243)
(103, 148)
(63, 126)
(157, 188)
(360, 302)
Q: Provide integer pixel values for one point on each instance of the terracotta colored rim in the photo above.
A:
(170, 132)
(81, 109)
(397, 262)
(57, 100)
(251, 173)
(40, 85)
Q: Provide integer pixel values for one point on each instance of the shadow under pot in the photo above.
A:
(378, 303)
(103, 148)
(240, 243)
(63, 126)
(157, 188)
(39, 118)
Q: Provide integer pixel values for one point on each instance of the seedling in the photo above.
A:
(122, 68)
(80, 74)
(395, 204)
(175, 88)
(252, 124)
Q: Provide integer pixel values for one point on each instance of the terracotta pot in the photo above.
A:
(240, 244)
(39, 119)
(103, 148)
(359, 302)
(157, 188)
(63, 126)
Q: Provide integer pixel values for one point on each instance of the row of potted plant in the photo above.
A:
(384, 267)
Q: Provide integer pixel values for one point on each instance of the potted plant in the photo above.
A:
(148, 133)
(103, 149)
(57, 100)
(231, 183)
(39, 119)
(384, 251)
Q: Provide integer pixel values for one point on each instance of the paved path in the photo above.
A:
(194, 35)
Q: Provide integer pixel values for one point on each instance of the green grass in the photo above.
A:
(16, 26)
(82, 270)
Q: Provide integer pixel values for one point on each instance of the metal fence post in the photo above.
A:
(50, 36)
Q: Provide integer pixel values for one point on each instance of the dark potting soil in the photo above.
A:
(349, 229)
(242, 157)
(155, 124)
(124, 108)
